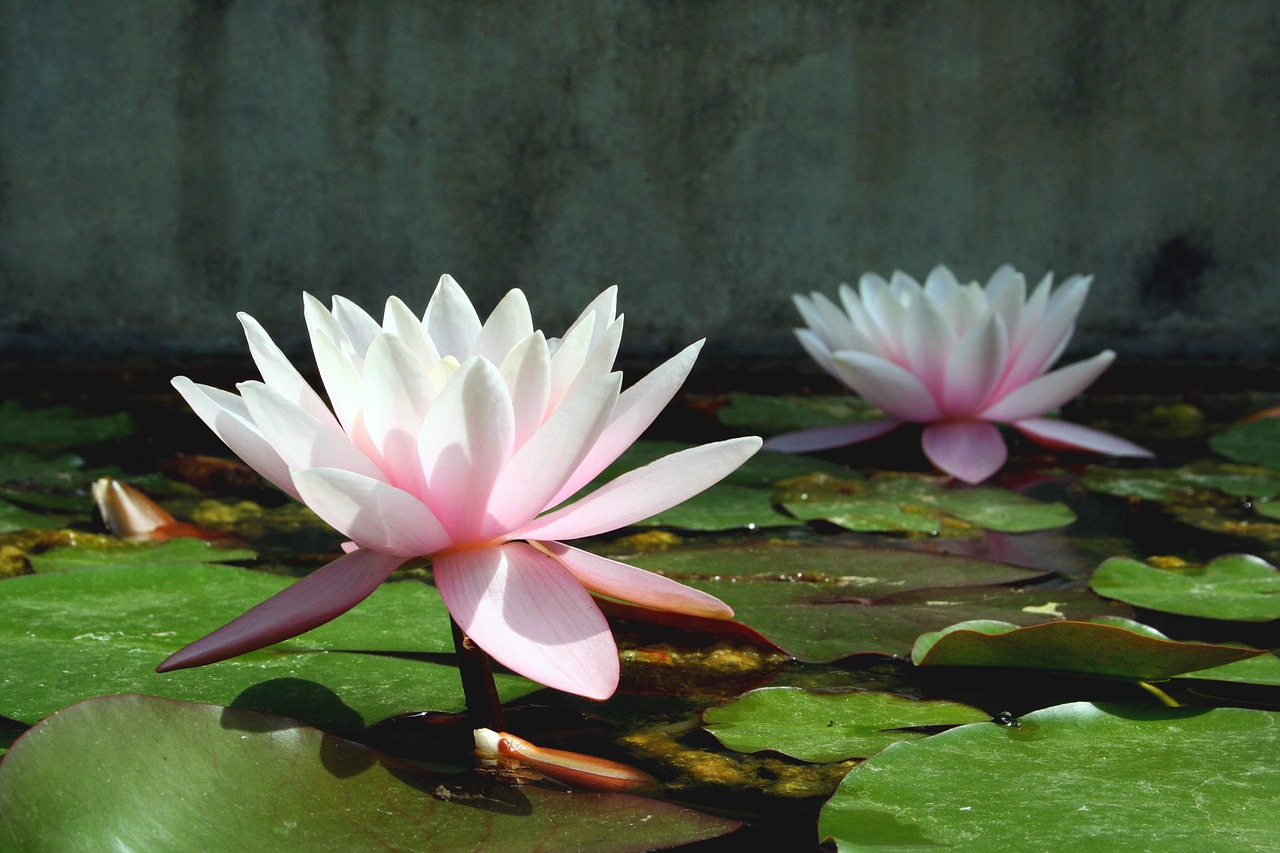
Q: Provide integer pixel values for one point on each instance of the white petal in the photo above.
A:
(628, 583)
(602, 310)
(527, 372)
(373, 514)
(229, 418)
(451, 320)
(401, 322)
(887, 386)
(600, 358)
(568, 358)
(975, 367)
(1051, 335)
(509, 324)
(278, 372)
(340, 375)
(397, 397)
(531, 615)
(645, 491)
(302, 441)
(1050, 390)
(927, 340)
(359, 327)
(466, 441)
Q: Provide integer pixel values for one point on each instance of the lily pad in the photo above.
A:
(175, 553)
(917, 504)
(1263, 669)
(142, 773)
(828, 727)
(1254, 443)
(68, 635)
(14, 518)
(1095, 777)
(1187, 484)
(824, 603)
(772, 414)
(1235, 586)
(1108, 648)
(58, 427)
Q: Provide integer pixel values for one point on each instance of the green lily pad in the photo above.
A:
(827, 727)
(68, 635)
(1235, 586)
(142, 773)
(58, 427)
(1263, 669)
(14, 518)
(1111, 648)
(917, 504)
(1093, 777)
(175, 553)
(824, 603)
(1185, 485)
(773, 414)
(1254, 443)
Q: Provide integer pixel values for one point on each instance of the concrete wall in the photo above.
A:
(164, 164)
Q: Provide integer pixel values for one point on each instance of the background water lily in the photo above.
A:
(958, 358)
(451, 438)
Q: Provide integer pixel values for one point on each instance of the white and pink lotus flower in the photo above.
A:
(959, 358)
(461, 441)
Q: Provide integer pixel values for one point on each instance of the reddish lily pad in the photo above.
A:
(828, 727)
(1234, 586)
(142, 773)
(1112, 648)
(821, 603)
(1094, 777)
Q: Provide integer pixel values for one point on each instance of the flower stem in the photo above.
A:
(483, 706)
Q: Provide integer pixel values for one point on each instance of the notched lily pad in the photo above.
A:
(1235, 587)
(916, 504)
(58, 427)
(1090, 776)
(1113, 648)
(1253, 443)
(103, 775)
(828, 727)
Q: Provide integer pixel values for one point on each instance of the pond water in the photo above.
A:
(841, 567)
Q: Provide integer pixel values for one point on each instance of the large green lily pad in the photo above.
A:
(828, 727)
(142, 773)
(1235, 586)
(1113, 648)
(823, 603)
(58, 427)
(1188, 484)
(1254, 443)
(917, 504)
(1084, 776)
(68, 635)
(772, 414)
(176, 553)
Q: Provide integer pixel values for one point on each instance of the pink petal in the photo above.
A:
(509, 324)
(539, 469)
(827, 437)
(451, 320)
(278, 372)
(319, 597)
(927, 341)
(397, 397)
(372, 513)
(627, 583)
(401, 322)
(1050, 390)
(1052, 333)
(340, 375)
(975, 367)
(527, 372)
(228, 416)
(635, 410)
(466, 441)
(1064, 435)
(968, 450)
(531, 615)
(643, 492)
(302, 441)
(890, 388)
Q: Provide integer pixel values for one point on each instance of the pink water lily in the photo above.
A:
(451, 439)
(959, 358)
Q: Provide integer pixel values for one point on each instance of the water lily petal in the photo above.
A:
(628, 583)
(635, 409)
(1052, 334)
(975, 367)
(509, 324)
(278, 372)
(599, 359)
(527, 372)
(302, 441)
(1065, 435)
(316, 599)
(397, 397)
(465, 442)
(602, 310)
(228, 416)
(527, 611)
(539, 469)
(359, 327)
(817, 350)
(372, 513)
(451, 320)
(888, 387)
(569, 356)
(927, 340)
(968, 450)
(341, 377)
(827, 437)
(643, 492)
(1050, 390)
(885, 310)
(401, 322)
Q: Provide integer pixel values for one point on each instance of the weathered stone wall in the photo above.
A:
(164, 164)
